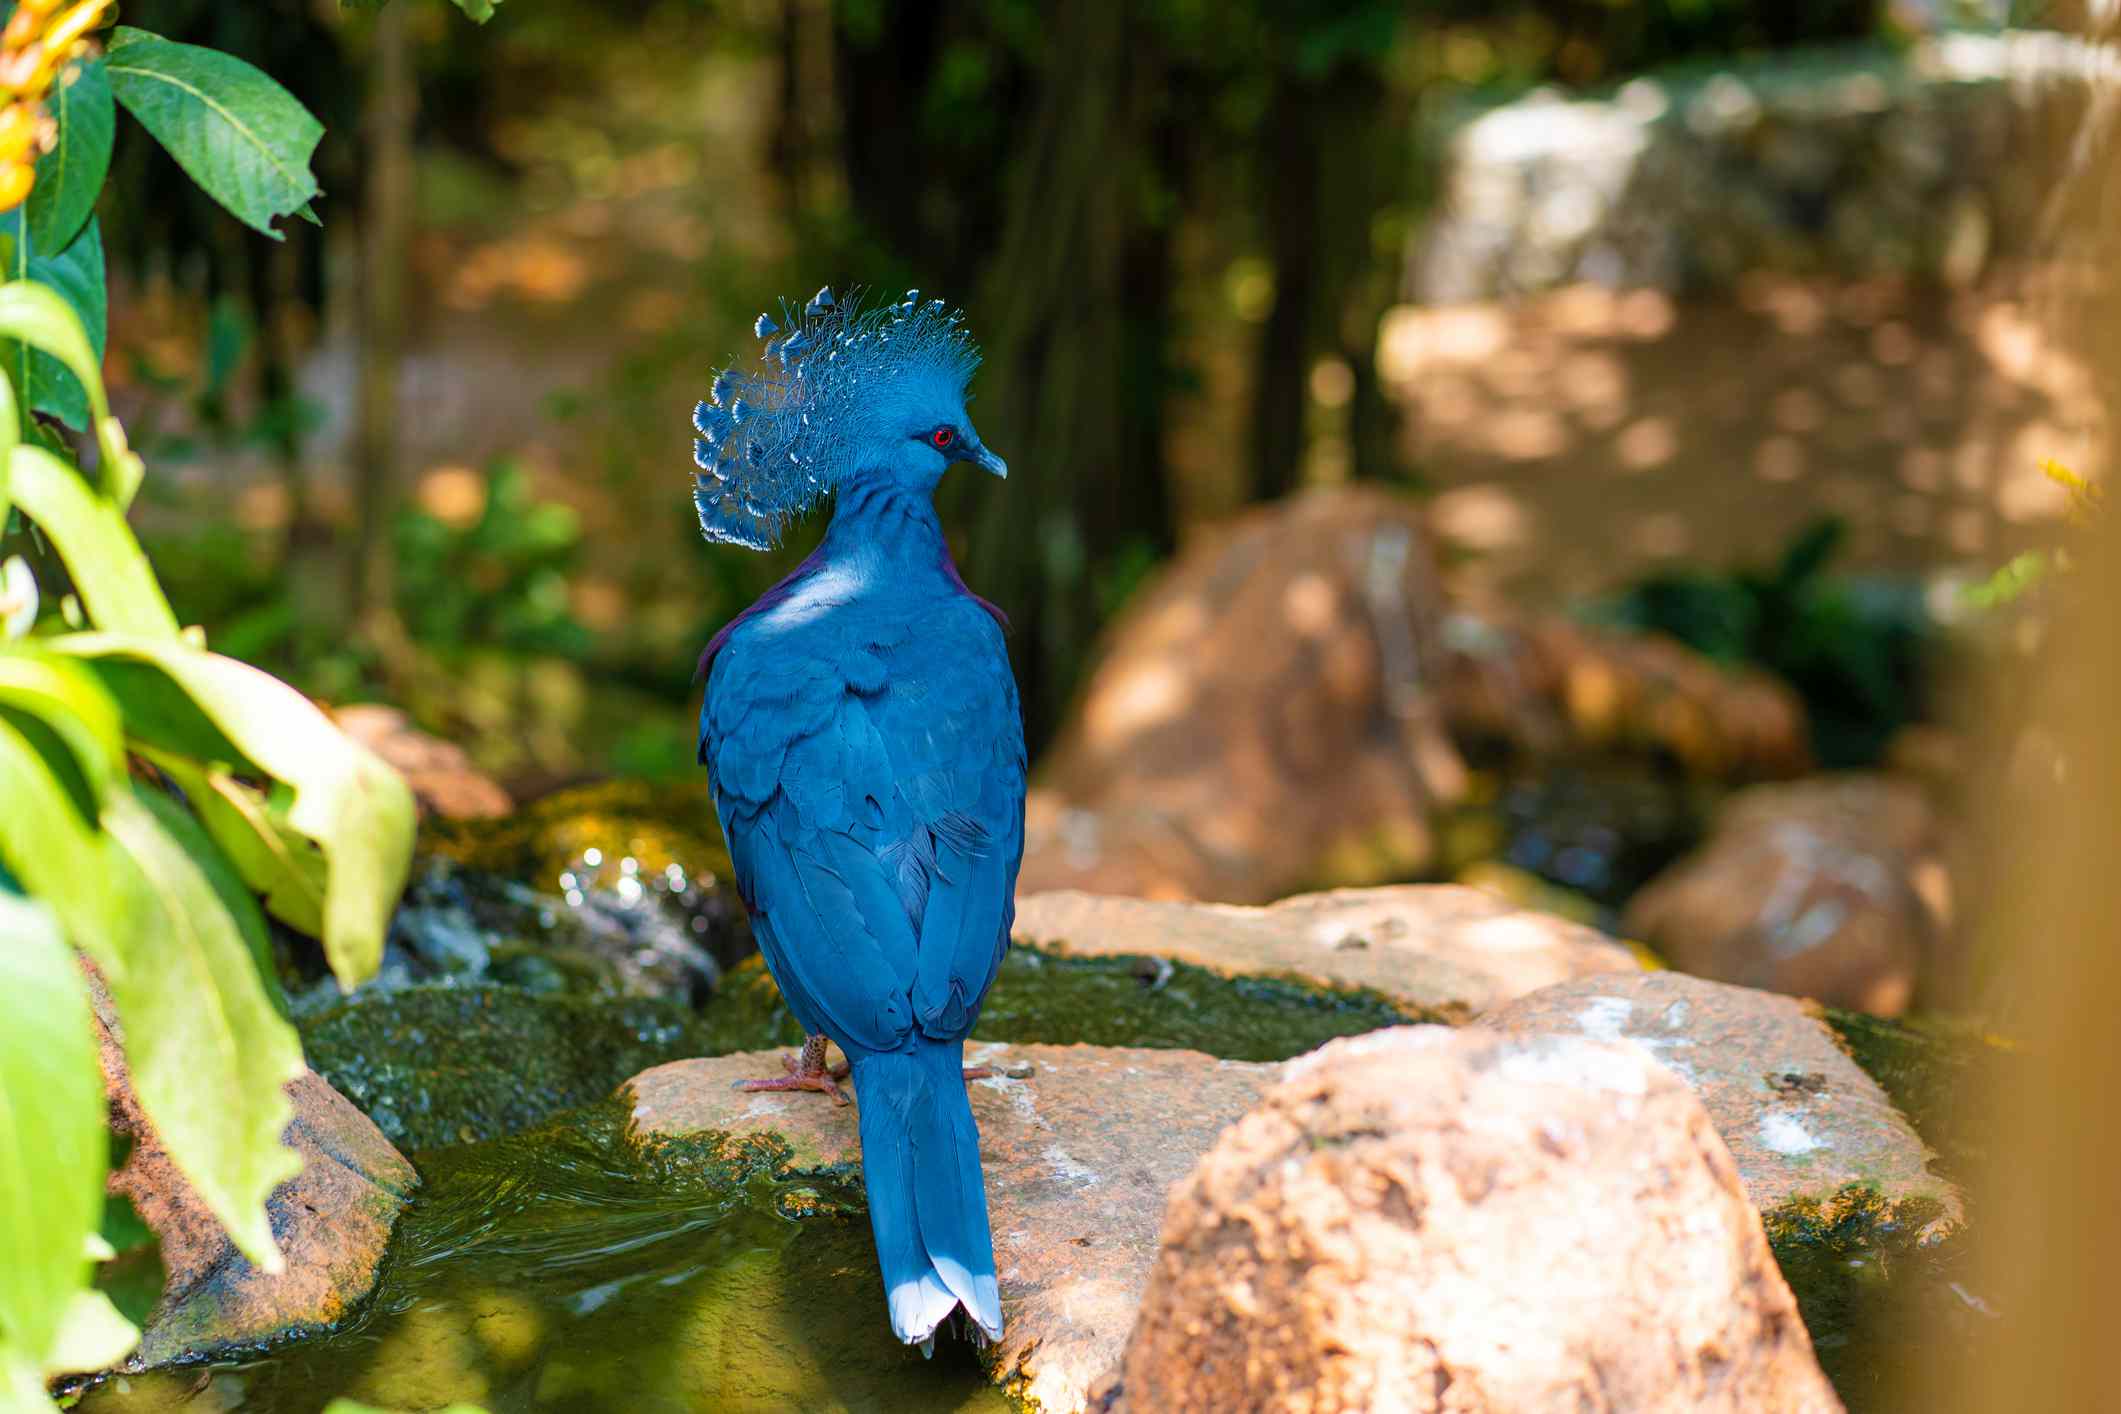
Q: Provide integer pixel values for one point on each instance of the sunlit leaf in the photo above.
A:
(244, 139)
(273, 857)
(94, 1335)
(72, 703)
(228, 885)
(41, 318)
(55, 850)
(208, 1051)
(76, 273)
(70, 176)
(109, 571)
(53, 1148)
(356, 808)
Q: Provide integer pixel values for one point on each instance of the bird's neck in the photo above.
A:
(888, 527)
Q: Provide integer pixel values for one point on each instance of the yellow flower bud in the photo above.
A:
(16, 178)
(18, 127)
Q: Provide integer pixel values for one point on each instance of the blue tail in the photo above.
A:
(927, 1199)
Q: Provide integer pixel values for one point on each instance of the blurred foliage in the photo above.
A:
(2021, 574)
(1853, 649)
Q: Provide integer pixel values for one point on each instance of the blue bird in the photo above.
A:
(866, 751)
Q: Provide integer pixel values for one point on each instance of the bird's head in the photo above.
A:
(843, 394)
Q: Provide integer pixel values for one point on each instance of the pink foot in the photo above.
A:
(806, 1072)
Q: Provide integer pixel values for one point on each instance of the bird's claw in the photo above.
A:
(804, 1075)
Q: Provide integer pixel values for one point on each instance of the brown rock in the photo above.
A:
(1545, 684)
(331, 1221)
(1080, 1145)
(1261, 718)
(1441, 948)
(1425, 1219)
(1835, 888)
(1803, 1121)
(443, 780)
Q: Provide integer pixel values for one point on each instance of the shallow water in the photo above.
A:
(554, 1271)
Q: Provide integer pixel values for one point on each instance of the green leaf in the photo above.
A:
(108, 568)
(76, 274)
(69, 700)
(41, 318)
(353, 806)
(480, 10)
(227, 885)
(53, 1147)
(273, 857)
(94, 1335)
(70, 176)
(59, 856)
(208, 1052)
(239, 135)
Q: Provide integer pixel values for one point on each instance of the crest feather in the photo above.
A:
(775, 437)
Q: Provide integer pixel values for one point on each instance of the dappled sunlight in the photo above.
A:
(1581, 437)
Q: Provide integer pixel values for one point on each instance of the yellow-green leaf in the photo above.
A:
(356, 808)
(69, 700)
(93, 1336)
(273, 857)
(41, 317)
(208, 1051)
(109, 570)
(53, 1147)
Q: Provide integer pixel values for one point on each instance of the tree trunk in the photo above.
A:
(385, 232)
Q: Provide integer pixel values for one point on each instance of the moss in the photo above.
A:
(436, 1065)
(1872, 1276)
(1929, 1067)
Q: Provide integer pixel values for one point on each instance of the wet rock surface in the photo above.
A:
(332, 1222)
(1424, 1219)
(1815, 1138)
(1836, 888)
(1080, 1146)
(1442, 950)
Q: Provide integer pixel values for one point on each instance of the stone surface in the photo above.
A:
(1852, 159)
(443, 780)
(1836, 888)
(332, 1222)
(1262, 717)
(1426, 1219)
(1080, 1146)
(1808, 1128)
(1549, 684)
(1443, 949)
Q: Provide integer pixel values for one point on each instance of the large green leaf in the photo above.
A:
(53, 1149)
(110, 572)
(69, 700)
(228, 886)
(40, 317)
(76, 273)
(353, 806)
(70, 176)
(208, 1051)
(239, 135)
(272, 855)
(57, 853)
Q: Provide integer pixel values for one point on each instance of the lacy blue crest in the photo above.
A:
(775, 437)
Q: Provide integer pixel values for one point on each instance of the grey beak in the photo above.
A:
(988, 461)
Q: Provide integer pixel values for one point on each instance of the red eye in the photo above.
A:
(942, 437)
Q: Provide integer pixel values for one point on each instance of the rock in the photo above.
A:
(1080, 1146)
(1262, 717)
(443, 780)
(1811, 1132)
(1440, 949)
(332, 1222)
(1426, 1219)
(1836, 889)
(1550, 685)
